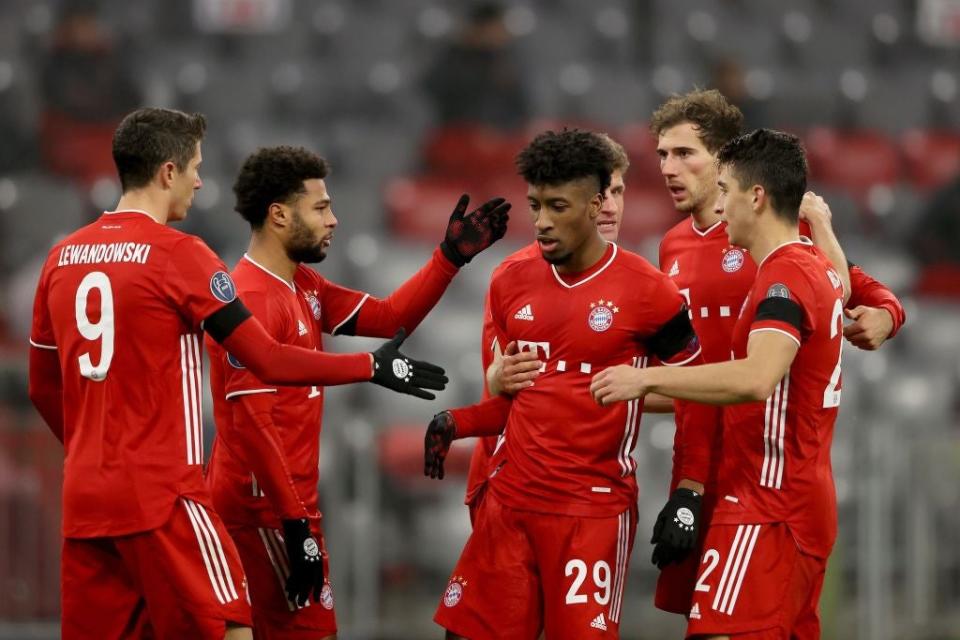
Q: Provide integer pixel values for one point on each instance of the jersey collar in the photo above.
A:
(705, 232)
(289, 285)
(613, 254)
(777, 248)
(140, 211)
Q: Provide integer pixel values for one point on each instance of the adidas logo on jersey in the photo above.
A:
(302, 328)
(675, 269)
(695, 611)
(526, 313)
(599, 623)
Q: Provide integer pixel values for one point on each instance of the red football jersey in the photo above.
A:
(122, 301)
(485, 447)
(564, 453)
(776, 462)
(296, 315)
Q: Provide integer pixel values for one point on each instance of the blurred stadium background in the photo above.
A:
(415, 101)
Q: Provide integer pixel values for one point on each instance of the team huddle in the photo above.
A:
(738, 332)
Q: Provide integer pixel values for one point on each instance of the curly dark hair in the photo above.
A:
(555, 158)
(774, 160)
(274, 174)
(148, 137)
(716, 119)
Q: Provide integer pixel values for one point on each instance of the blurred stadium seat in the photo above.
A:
(932, 157)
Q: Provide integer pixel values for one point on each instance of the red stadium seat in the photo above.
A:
(418, 208)
(932, 157)
(641, 148)
(473, 152)
(400, 450)
(648, 212)
(853, 161)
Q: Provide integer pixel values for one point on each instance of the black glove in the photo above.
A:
(393, 370)
(677, 527)
(467, 235)
(436, 443)
(306, 562)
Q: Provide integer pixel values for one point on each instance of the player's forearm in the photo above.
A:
(494, 388)
(260, 443)
(826, 240)
(870, 292)
(410, 303)
(720, 383)
(486, 418)
(45, 388)
(276, 363)
(656, 403)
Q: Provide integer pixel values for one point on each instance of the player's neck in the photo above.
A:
(270, 254)
(590, 254)
(142, 200)
(705, 218)
(769, 235)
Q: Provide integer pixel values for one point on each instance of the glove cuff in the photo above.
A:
(686, 493)
(450, 253)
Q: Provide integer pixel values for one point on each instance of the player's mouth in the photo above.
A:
(547, 244)
(677, 192)
(326, 241)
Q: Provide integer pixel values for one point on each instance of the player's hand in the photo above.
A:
(306, 562)
(815, 210)
(441, 431)
(517, 369)
(870, 329)
(677, 527)
(393, 370)
(469, 234)
(618, 383)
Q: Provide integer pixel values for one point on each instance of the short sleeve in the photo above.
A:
(41, 330)
(494, 330)
(337, 303)
(666, 330)
(197, 280)
(238, 380)
(786, 300)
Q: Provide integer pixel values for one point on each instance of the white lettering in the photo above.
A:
(103, 253)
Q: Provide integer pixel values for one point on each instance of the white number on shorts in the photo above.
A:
(711, 556)
(102, 330)
(601, 578)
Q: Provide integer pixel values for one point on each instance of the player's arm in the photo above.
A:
(875, 310)
(486, 418)
(656, 403)
(815, 211)
(242, 335)
(45, 387)
(512, 370)
(466, 236)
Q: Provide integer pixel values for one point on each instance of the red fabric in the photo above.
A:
(46, 388)
(518, 569)
(932, 157)
(132, 390)
(676, 581)
(485, 418)
(872, 293)
(480, 464)
(755, 584)
(274, 617)
(581, 325)
(776, 462)
(181, 580)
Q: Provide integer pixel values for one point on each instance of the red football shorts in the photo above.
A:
(756, 584)
(675, 581)
(522, 572)
(180, 580)
(274, 617)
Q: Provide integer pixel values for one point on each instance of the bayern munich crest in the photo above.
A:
(454, 592)
(601, 315)
(326, 596)
(314, 306)
(732, 260)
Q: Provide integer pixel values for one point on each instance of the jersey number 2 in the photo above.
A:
(101, 330)
(831, 395)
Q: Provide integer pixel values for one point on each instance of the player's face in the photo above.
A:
(611, 212)
(688, 168)
(312, 225)
(565, 217)
(184, 186)
(735, 206)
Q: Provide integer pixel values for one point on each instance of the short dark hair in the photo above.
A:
(621, 161)
(555, 158)
(148, 137)
(274, 174)
(717, 120)
(774, 160)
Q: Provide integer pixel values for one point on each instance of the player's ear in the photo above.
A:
(595, 205)
(167, 172)
(279, 214)
(759, 197)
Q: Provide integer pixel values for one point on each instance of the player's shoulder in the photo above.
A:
(799, 262)
(524, 259)
(306, 278)
(636, 264)
(680, 231)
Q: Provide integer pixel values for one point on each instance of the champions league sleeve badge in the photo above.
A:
(601, 315)
(222, 287)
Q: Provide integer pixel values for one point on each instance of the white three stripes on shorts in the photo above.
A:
(191, 368)
(738, 559)
(277, 552)
(211, 550)
(620, 571)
